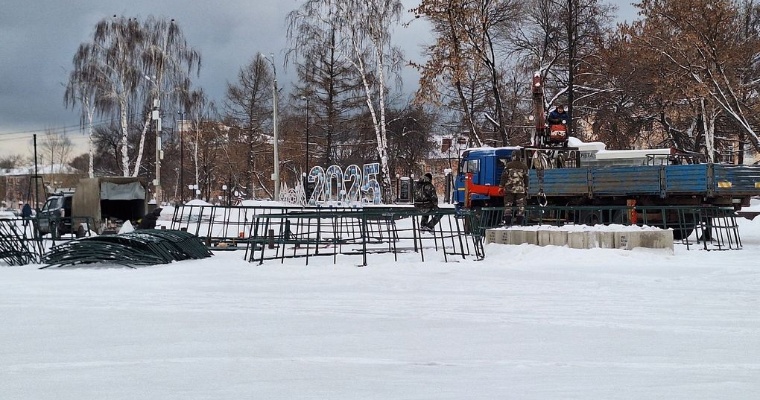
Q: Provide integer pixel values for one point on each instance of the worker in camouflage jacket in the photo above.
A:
(426, 202)
(514, 183)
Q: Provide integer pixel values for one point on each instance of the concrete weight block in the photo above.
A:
(491, 235)
(581, 240)
(520, 236)
(660, 239)
(552, 238)
(605, 239)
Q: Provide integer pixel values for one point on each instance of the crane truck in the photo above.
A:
(567, 172)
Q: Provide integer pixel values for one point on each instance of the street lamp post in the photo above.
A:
(276, 174)
(157, 125)
(156, 116)
(181, 157)
(308, 168)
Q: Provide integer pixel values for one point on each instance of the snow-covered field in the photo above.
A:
(526, 323)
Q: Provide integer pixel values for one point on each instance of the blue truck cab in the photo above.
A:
(485, 164)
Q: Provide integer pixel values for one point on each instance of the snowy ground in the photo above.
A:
(526, 323)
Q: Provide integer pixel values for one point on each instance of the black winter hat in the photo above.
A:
(429, 176)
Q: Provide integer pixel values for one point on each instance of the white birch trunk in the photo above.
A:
(383, 134)
(708, 124)
(124, 134)
(359, 65)
(141, 147)
(91, 145)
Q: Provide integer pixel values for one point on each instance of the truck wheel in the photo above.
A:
(682, 227)
(682, 233)
(62, 230)
(589, 218)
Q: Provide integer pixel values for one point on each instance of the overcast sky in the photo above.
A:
(38, 39)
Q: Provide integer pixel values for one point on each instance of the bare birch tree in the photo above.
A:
(79, 92)
(359, 32)
(167, 61)
(113, 70)
(365, 43)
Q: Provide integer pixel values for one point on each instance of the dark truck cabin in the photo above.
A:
(486, 165)
(55, 215)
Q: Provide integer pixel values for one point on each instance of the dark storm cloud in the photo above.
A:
(39, 39)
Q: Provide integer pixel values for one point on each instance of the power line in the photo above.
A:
(60, 129)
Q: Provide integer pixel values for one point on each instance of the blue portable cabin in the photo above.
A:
(485, 170)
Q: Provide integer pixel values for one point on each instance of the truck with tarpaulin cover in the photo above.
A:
(99, 204)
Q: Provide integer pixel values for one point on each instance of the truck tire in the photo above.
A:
(682, 233)
(61, 229)
(590, 217)
(684, 228)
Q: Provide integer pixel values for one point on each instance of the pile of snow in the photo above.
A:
(127, 227)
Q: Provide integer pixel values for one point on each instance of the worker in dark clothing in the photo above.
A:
(26, 213)
(426, 201)
(558, 116)
(558, 121)
(149, 220)
(514, 182)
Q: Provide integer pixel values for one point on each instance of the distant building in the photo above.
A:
(19, 185)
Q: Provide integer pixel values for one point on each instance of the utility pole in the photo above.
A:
(308, 168)
(36, 178)
(156, 116)
(181, 158)
(572, 38)
(276, 174)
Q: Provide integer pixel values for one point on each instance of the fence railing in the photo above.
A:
(294, 231)
(279, 232)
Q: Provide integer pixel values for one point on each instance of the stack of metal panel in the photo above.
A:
(142, 247)
(18, 244)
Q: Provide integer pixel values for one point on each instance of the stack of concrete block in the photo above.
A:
(583, 239)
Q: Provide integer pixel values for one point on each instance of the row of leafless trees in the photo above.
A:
(683, 74)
